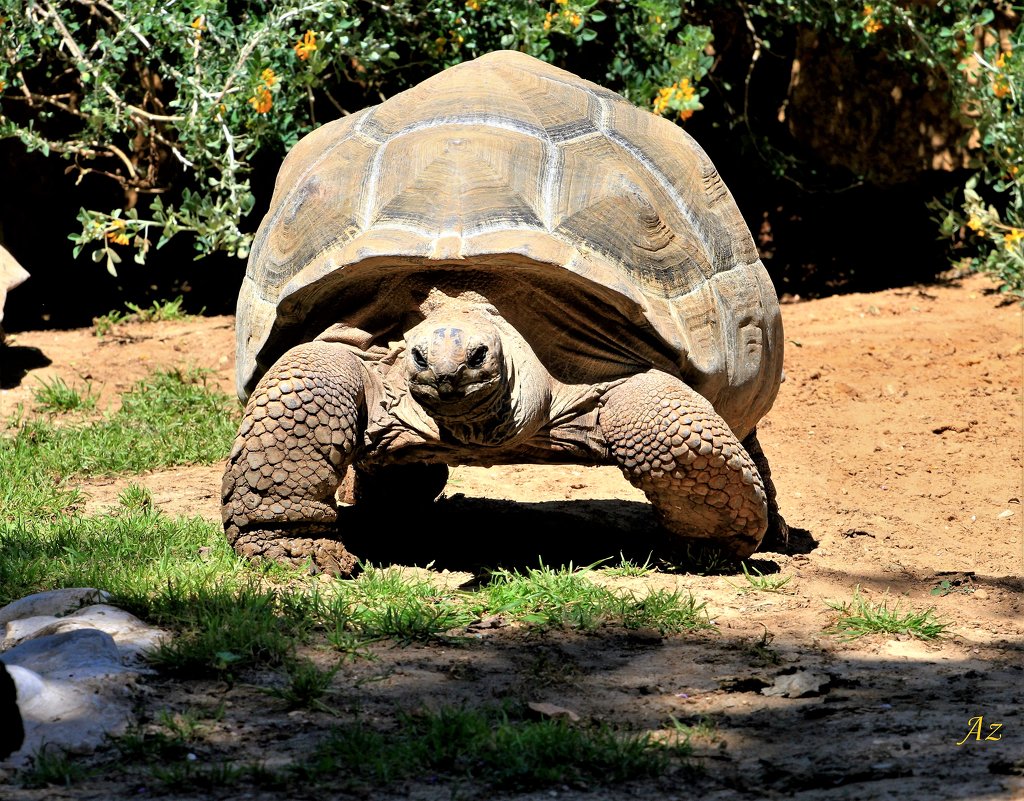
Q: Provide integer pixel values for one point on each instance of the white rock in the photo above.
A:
(133, 637)
(54, 602)
(75, 675)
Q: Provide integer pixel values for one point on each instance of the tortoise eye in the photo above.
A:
(476, 358)
(418, 359)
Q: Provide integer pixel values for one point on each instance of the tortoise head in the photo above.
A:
(455, 366)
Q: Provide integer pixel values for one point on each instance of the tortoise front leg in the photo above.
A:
(301, 427)
(670, 443)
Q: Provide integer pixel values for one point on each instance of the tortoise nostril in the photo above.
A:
(418, 359)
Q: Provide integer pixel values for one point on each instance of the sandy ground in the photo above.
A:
(896, 446)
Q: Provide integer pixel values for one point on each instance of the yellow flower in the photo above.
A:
(261, 100)
(473, 5)
(117, 233)
(976, 225)
(681, 91)
(199, 25)
(2, 86)
(562, 2)
(1001, 61)
(871, 25)
(1000, 88)
(268, 76)
(547, 20)
(1011, 239)
(439, 43)
(305, 45)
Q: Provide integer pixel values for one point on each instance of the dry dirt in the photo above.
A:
(896, 446)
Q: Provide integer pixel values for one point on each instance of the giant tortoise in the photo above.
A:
(504, 264)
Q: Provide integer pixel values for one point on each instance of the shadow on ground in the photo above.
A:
(16, 361)
(475, 535)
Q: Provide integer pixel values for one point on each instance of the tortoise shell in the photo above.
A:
(601, 231)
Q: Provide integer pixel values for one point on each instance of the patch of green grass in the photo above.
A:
(392, 603)
(489, 747)
(29, 487)
(224, 627)
(192, 775)
(627, 568)
(159, 311)
(860, 617)
(167, 747)
(171, 737)
(550, 597)
(568, 597)
(52, 767)
(306, 686)
(136, 555)
(702, 728)
(761, 582)
(136, 498)
(57, 396)
(670, 612)
(699, 558)
(169, 418)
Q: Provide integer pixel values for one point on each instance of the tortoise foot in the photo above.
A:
(670, 443)
(315, 554)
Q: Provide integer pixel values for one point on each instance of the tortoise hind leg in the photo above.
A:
(301, 427)
(777, 535)
(670, 443)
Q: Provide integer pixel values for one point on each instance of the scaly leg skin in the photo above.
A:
(777, 535)
(300, 430)
(670, 443)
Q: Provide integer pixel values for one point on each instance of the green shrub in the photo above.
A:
(176, 104)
